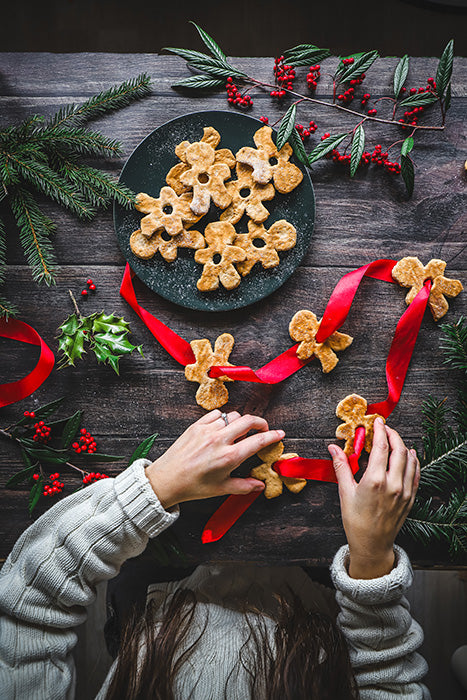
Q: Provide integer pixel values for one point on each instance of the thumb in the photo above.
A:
(341, 465)
(244, 486)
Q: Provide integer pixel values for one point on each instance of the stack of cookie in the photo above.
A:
(201, 178)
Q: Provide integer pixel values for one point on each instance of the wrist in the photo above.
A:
(162, 485)
(362, 565)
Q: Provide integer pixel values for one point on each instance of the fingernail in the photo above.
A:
(379, 420)
(259, 488)
(281, 433)
(413, 452)
(332, 450)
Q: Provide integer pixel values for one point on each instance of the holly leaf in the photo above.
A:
(359, 66)
(444, 71)
(35, 494)
(400, 75)
(20, 476)
(118, 344)
(71, 340)
(211, 44)
(200, 81)
(407, 173)
(325, 146)
(358, 144)
(104, 323)
(70, 430)
(419, 100)
(143, 448)
(70, 325)
(286, 127)
(298, 147)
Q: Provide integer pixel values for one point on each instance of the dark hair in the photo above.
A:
(308, 659)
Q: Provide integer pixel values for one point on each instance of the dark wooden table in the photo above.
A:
(356, 222)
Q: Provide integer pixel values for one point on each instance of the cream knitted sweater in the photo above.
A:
(51, 574)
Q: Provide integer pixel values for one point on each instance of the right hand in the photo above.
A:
(374, 509)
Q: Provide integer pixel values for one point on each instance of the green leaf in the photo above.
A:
(200, 82)
(48, 455)
(35, 494)
(188, 54)
(407, 173)
(325, 146)
(358, 144)
(70, 429)
(48, 409)
(444, 72)
(407, 146)
(70, 325)
(105, 323)
(213, 68)
(211, 44)
(400, 75)
(308, 56)
(301, 48)
(298, 147)
(20, 476)
(447, 98)
(286, 127)
(360, 65)
(418, 100)
(97, 457)
(118, 344)
(143, 448)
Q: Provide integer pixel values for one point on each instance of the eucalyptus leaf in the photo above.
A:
(358, 144)
(444, 71)
(407, 173)
(298, 147)
(325, 147)
(35, 493)
(70, 429)
(418, 100)
(400, 75)
(211, 44)
(286, 127)
(200, 82)
(143, 448)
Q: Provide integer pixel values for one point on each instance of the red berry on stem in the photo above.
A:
(84, 293)
(92, 287)
(89, 281)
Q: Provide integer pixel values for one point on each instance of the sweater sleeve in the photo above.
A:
(52, 572)
(381, 634)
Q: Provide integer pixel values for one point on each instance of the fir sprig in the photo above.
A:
(46, 156)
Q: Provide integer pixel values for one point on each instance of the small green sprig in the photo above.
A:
(106, 335)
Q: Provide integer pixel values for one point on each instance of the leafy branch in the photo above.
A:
(46, 157)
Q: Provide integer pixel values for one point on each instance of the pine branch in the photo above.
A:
(78, 140)
(450, 466)
(115, 98)
(454, 344)
(34, 229)
(7, 309)
(98, 187)
(2, 251)
(434, 424)
(448, 522)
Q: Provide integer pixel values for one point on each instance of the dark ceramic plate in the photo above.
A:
(145, 171)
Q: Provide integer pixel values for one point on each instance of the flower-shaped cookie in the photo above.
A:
(271, 478)
(205, 178)
(211, 392)
(409, 272)
(261, 245)
(303, 329)
(218, 257)
(270, 164)
(222, 155)
(145, 248)
(169, 212)
(352, 411)
(247, 196)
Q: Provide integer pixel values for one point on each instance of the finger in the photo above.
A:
(378, 459)
(416, 481)
(240, 486)
(229, 418)
(209, 417)
(249, 446)
(397, 460)
(341, 466)
(243, 425)
(409, 476)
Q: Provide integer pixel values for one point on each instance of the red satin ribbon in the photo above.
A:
(15, 391)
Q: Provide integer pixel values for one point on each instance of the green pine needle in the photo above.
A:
(454, 344)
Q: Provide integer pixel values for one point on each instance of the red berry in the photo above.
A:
(89, 281)
(84, 293)
(413, 91)
(35, 477)
(26, 413)
(83, 431)
(92, 287)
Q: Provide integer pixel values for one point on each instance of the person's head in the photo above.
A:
(306, 657)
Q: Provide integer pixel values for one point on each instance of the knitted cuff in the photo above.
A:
(376, 590)
(140, 503)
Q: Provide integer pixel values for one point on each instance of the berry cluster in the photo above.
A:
(29, 414)
(347, 96)
(284, 77)
(365, 98)
(234, 97)
(305, 133)
(42, 433)
(92, 288)
(313, 76)
(347, 61)
(86, 443)
(93, 476)
(57, 486)
(372, 112)
(411, 117)
(265, 120)
(325, 136)
(376, 157)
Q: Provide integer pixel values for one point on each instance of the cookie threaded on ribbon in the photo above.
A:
(169, 212)
(145, 248)
(352, 410)
(410, 272)
(265, 472)
(261, 244)
(303, 329)
(219, 257)
(270, 164)
(211, 393)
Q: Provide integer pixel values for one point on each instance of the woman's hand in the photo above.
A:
(374, 509)
(200, 461)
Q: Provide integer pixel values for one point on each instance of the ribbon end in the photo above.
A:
(208, 536)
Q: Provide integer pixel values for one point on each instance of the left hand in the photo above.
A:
(199, 463)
